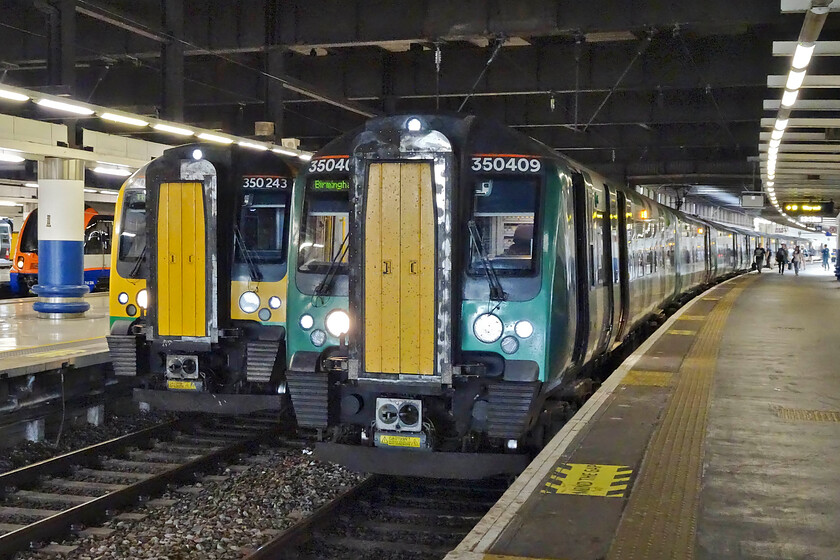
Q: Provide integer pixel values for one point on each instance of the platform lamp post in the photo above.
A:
(61, 210)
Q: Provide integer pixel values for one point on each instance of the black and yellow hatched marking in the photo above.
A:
(587, 479)
(803, 415)
(648, 378)
(660, 518)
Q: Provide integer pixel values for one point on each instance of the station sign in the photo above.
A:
(809, 208)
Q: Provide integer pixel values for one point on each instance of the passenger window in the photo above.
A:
(325, 231)
(98, 236)
(262, 227)
(131, 254)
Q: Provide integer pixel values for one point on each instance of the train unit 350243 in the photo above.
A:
(450, 281)
(198, 279)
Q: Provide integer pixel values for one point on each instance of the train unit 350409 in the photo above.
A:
(450, 281)
(199, 279)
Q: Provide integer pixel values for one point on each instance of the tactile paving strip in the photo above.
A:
(661, 516)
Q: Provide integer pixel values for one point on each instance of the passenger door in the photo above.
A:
(399, 271)
(181, 289)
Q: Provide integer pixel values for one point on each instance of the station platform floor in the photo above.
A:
(718, 438)
(29, 344)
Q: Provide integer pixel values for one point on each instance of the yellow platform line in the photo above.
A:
(661, 516)
(692, 318)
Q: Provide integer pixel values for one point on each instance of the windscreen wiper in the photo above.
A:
(497, 293)
(138, 262)
(253, 268)
(324, 285)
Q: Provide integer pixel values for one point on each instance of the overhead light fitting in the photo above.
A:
(9, 203)
(802, 56)
(116, 171)
(253, 146)
(68, 107)
(283, 152)
(13, 95)
(173, 129)
(795, 79)
(32, 185)
(781, 124)
(777, 134)
(304, 157)
(775, 143)
(91, 191)
(123, 119)
(789, 97)
(11, 158)
(214, 138)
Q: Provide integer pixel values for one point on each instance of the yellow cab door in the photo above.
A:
(399, 274)
(181, 298)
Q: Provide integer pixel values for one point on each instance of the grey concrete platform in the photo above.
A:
(30, 344)
(718, 438)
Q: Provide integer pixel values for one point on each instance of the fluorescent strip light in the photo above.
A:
(13, 95)
(795, 79)
(59, 106)
(283, 152)
(775, 143)
(122, 119)
(173, 129)
(305, 157)
(112, 164)
(11, 158)
(214, 138)
(772, 153)
(771, 176)
(789, 97)
(254, 146)
(802, 56)
(116, 171)
(9, 203)
(781, 124)
(106, 191)
(33, 185)
(91, 190)
(777, 134)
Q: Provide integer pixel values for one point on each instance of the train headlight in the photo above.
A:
(20, 262)
(143, 299)
(249, 302)
(122, 298)
(318, 337)
(306, 321)
(488, 328)
(274, 302)
(524, 329)
(510, 345)
(338, 323)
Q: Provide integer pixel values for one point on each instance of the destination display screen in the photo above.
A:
(329, 185)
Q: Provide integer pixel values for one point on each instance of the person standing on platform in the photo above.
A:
(758, 257)
(782, 258)
(797, 259)
(769, 256)
(825, 255)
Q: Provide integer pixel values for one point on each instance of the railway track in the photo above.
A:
(47, 500)
(388, 517)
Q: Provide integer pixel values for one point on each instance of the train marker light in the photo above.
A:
(123, 298)
(510, 345)
(274, 302)
(318, 337)
(414, 124)
(197, 154)
(523, 329)
(306, 322)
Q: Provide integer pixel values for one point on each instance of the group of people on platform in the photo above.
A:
(787, 259)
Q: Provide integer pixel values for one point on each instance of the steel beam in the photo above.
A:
(172, 52)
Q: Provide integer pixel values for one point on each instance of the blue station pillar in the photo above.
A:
(61, 210)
